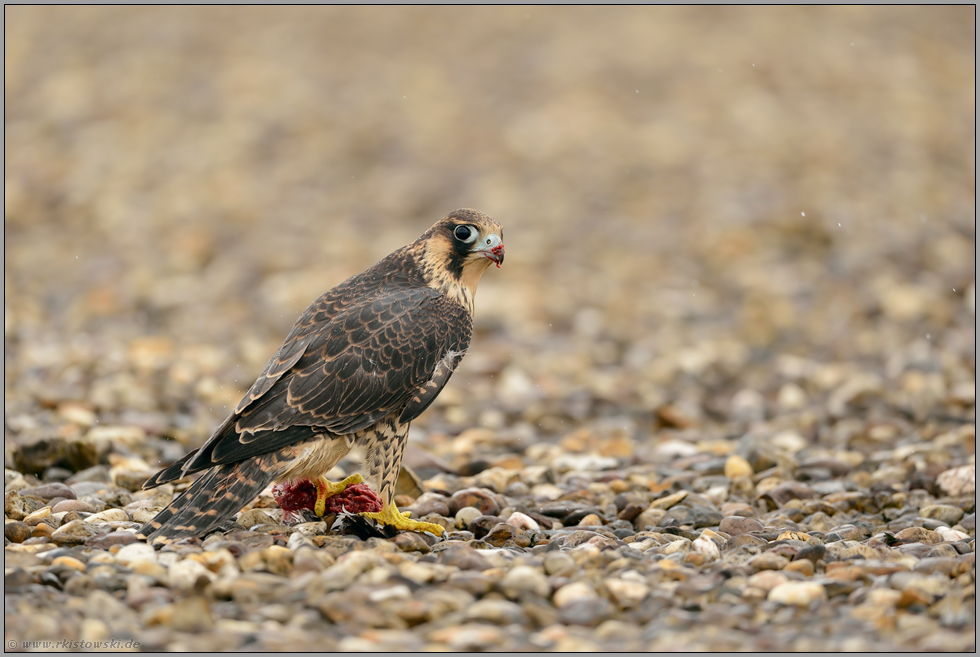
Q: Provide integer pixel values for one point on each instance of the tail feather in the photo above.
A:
(213, 498)
(171, 473)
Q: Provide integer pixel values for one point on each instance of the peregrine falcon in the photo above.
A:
(359, 365)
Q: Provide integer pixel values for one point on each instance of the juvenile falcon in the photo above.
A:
(361, 363)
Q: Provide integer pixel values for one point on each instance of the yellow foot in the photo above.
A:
(325, 489)
(390, 515)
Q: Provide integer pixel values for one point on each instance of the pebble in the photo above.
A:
(109, 515)
(918, 535)
(76, 532)
(69, 562)
(706, 547)
(574, 592)
(41, 515)
(942, 512)
(16, 531)
(736, 466)
(768, 561)
(668, 501)
(466, 515)
(525, 579)
(799, 594)
(626, 592)
(519, 520)
(73, 505)
(959, 481)
(135, 552)
(480, 499)
(499, 612)
(49, 491)
(735, 525)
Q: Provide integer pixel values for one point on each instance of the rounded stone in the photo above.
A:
(49, 491)
(626, 592)
(736, 466)
(799, 594)
(466, 515)
(768, 561)
(735, 525)
(69, 562)
(499, 612)
(767, 580)
(135, 552)
(574, 592)
(474, 497)
(943, 512)
(73, 505)
(16, 531)
(525, 579)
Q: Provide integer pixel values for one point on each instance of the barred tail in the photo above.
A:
(213, 498)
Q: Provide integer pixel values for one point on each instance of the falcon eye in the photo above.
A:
(465, 234)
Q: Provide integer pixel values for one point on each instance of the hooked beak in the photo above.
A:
(492, 248)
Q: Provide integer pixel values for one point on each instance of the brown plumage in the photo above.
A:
(361, 363)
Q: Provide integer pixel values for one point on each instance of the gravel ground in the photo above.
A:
(721, 396)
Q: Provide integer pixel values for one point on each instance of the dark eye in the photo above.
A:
(465, 234)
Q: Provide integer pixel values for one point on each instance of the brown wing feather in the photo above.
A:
(358, 353)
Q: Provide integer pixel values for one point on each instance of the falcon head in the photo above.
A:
(458, 249)
(461, 246)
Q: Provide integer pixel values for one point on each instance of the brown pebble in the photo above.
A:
(919, 535)
(69, 562)
(115, 539)
(411, 542)
(789, 490)
(500, 534)
(48, 491)
(463, 557)
(475, 497)
(73, 505)
(437, 507)
(630, 512)
(768, 561)
(842, 571)
(16, 531)
(805, 567)
(735, 525)
(42, 529)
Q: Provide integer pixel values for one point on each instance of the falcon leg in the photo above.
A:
(326, 489)
(383, 451)
(390, 515)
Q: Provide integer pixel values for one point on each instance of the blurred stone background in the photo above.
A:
(716, 218)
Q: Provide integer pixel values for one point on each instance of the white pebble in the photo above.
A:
(522, 521)
(799, 594)
(135, 552)
(707, 547)
(573, 592)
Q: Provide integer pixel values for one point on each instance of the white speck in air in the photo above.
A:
(928, 336)
(838, 224)
(803, 214)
